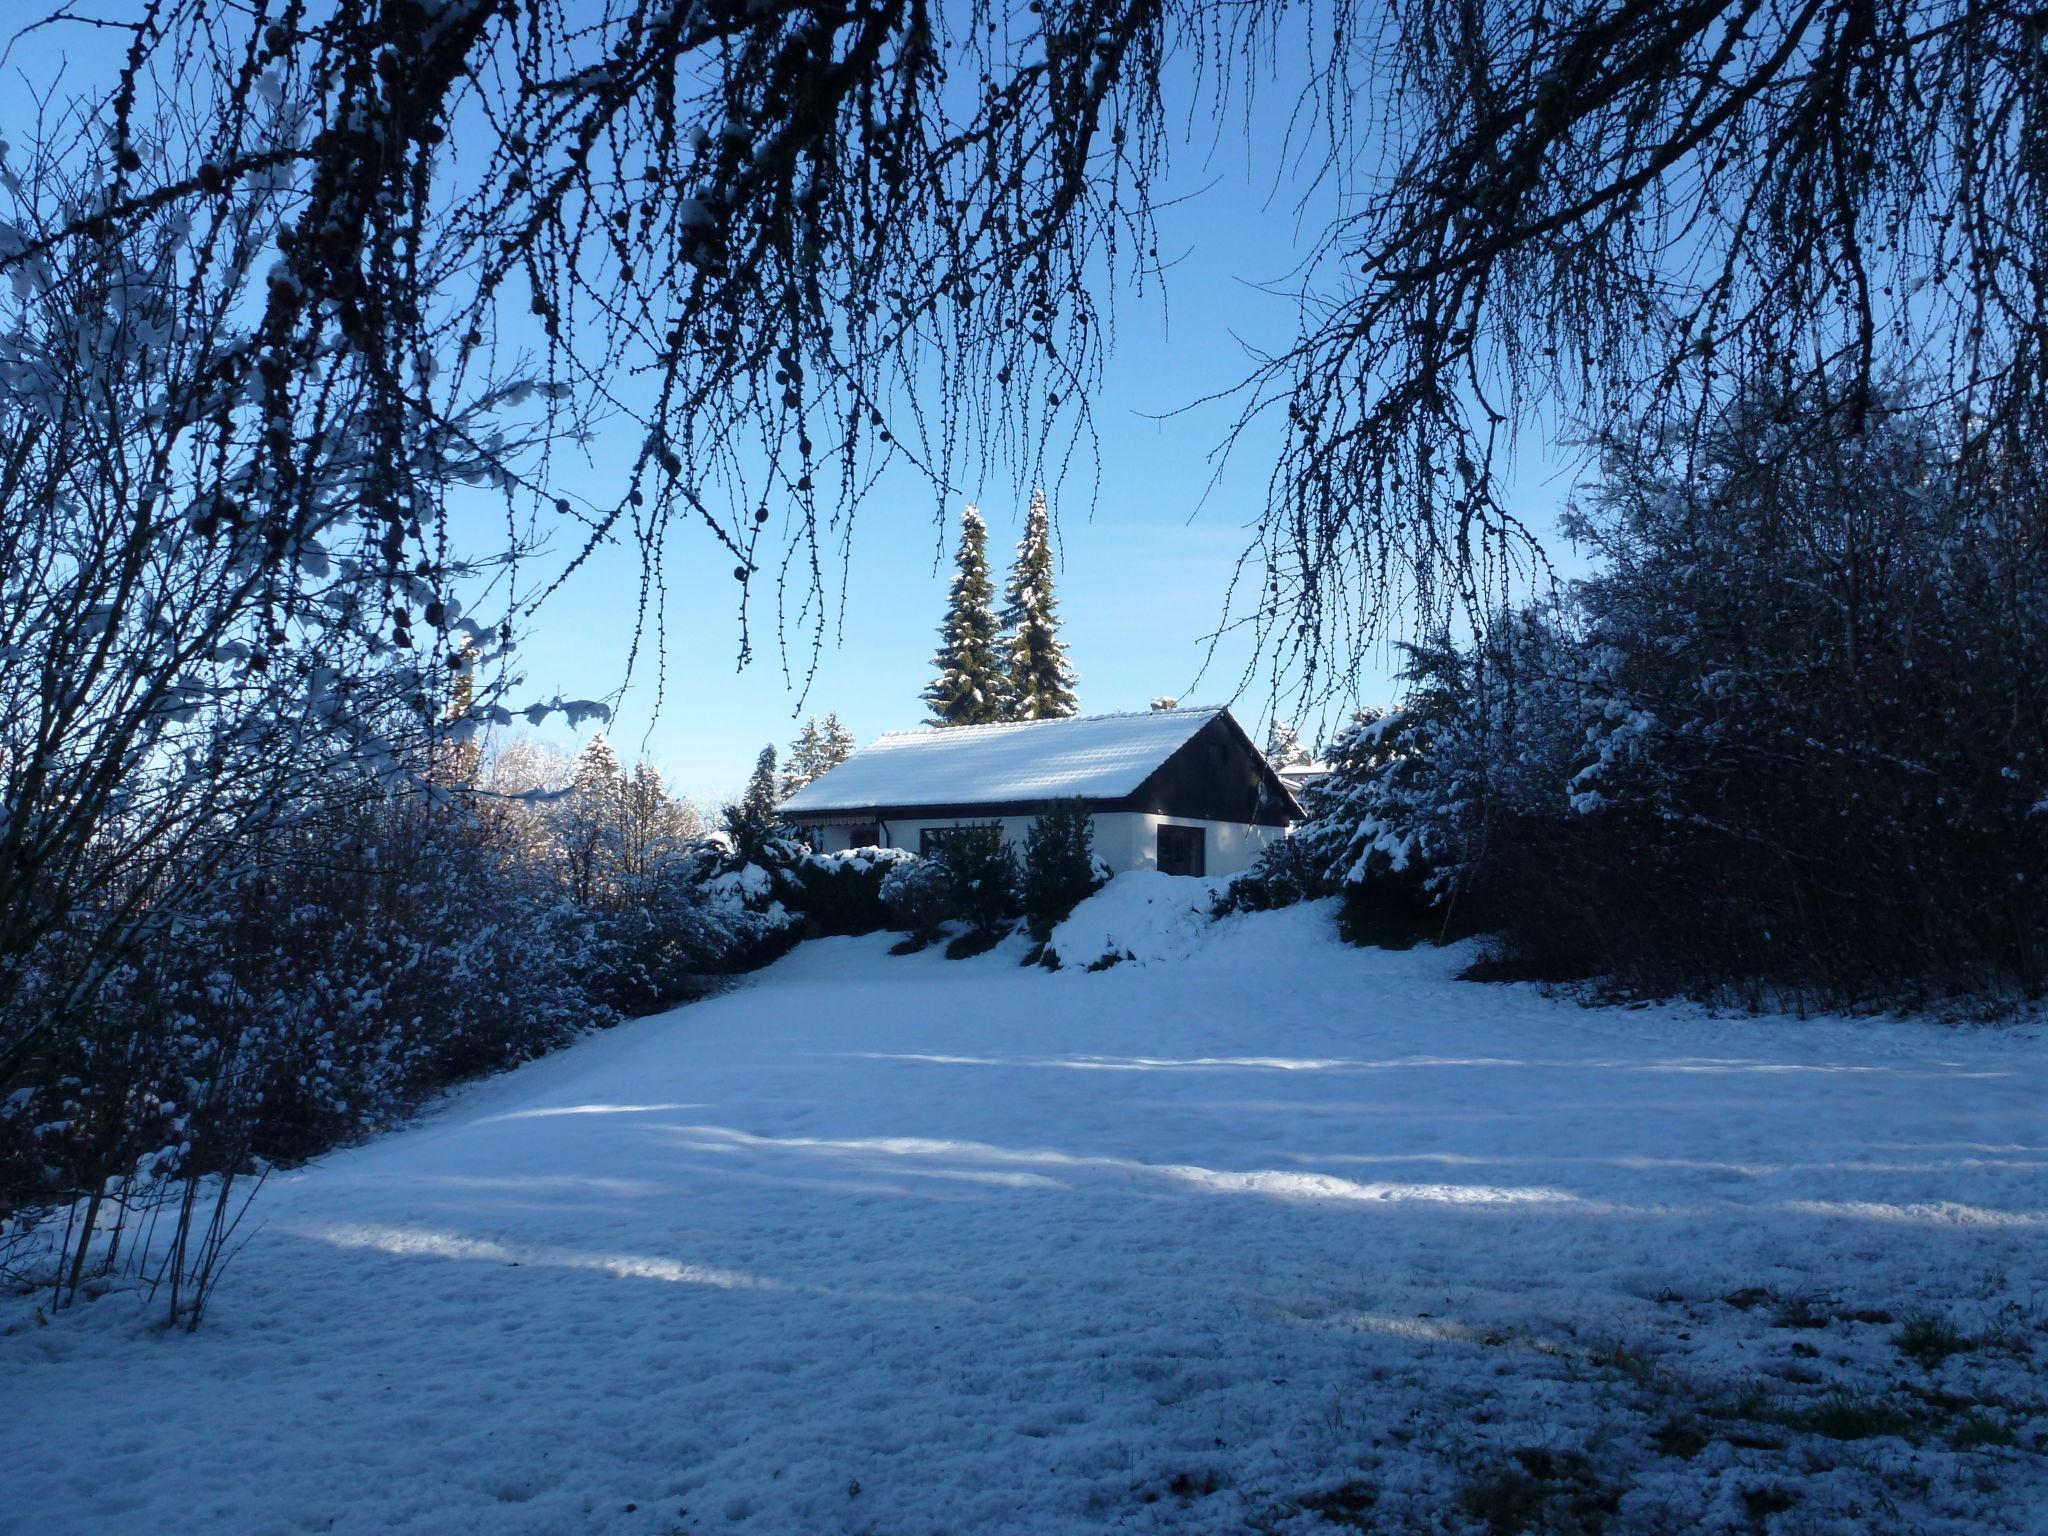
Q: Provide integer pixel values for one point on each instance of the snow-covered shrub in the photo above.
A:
(1284, 873)
(918, 895)
(1060, 866)
(1141, 916)
(842, 892)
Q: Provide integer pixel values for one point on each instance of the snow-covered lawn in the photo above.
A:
(1279, 1236)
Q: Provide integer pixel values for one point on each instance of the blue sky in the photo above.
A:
(1143, 570)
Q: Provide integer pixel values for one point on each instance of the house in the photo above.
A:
(1298, 776)
(1183, 791)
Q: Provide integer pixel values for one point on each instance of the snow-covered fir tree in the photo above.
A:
(1041, 680)
(972, 684)
(750, 821)
(801, 766)
(821, 746)
(1283, 745)
(759, 800)
(838, 741)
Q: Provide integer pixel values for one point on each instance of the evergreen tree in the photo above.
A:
(759, 800)
(1041, 682)
(836, 743)
(971, 686)
(802, 763)
(1060, 870)
(821, 746)
(751, 823)
(1283, 745)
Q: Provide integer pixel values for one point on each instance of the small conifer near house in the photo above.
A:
(971, 685)
(1041, 680)
(1060, 870)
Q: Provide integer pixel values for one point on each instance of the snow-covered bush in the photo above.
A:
(842, 892)
(1140, 916)
(1284, 873)
(918, 896)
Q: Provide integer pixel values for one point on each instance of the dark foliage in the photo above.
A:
(985, 877)
(1789, 738)
(919, 897)
(842, 893)
(1060, 867)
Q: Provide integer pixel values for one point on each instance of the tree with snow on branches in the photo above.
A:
(1041, 680)
(971, 687)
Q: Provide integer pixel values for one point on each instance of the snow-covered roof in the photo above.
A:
(1087, 757)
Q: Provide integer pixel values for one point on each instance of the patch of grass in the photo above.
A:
(1799, 1312)
(1193, 1485)
(1681, 1439)
(1506, 1499)
(1350, 1505)
(1977, 1430)
(1771, 1499)
(1929, 1340)
(1556, 1493)
(1845, 1416)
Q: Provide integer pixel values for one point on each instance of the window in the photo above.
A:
(869, 836)
(1182, 851)
(931, 840)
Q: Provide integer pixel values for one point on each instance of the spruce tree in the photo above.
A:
(971, 686)
(1041, 682)
(751, 823)
(759, 800)
(821, 746)
(801, 766)
(1283, 746)
(835, 743)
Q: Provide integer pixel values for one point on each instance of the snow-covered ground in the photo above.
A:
(1269, 1234)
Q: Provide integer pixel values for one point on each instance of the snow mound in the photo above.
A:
(1141, 915)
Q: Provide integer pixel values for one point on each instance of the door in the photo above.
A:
(1182, 850)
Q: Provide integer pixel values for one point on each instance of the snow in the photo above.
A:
(1092, 757)
(1141, 916)
(1204, 1244)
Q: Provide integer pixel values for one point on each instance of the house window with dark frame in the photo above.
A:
(1182, 850)
(869, 836)
(931, 840)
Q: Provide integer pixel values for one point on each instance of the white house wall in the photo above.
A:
(1124, 840)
